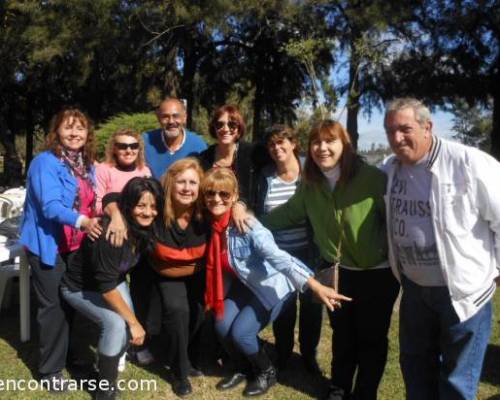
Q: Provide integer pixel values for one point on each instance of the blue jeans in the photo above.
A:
(244, 318)
(440, 357)
(114, 335)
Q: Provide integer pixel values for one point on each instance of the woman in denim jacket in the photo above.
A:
(248, 280)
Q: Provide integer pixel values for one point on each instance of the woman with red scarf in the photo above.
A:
(248, 280)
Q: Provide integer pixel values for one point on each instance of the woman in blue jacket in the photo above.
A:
(57, 215)
(248, 280)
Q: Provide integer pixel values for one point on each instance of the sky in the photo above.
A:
(372, 131)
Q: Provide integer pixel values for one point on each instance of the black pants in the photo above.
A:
(144, 296)
(53, 326)
(360, 330)
(182, 317)
(310, 318)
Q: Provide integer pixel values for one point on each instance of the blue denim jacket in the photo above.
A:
(51, 192)
(269, 272)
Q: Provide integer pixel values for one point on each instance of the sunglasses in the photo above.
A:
(224, 196)
(125, 146)
(231, 125)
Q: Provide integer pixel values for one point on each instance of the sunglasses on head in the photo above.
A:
(231, 125)
(224, 196)
(125, 146)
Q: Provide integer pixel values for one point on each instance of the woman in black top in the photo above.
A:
(95, 284)
(230, 151)
(179, 260)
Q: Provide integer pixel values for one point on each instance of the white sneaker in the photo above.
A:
(122, 362)
(144, 357)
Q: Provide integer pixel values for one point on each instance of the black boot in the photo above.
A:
(241, 370)
(230, 381)
(108, 373)
(265, 374)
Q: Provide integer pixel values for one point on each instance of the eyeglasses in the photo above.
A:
(231, 125)
(224, 196)
(125, 146)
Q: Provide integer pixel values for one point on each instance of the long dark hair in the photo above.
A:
(140, 237)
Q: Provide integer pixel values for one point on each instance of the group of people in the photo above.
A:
(227, 235)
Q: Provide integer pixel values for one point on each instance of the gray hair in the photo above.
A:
(422, 113)
(181, 102)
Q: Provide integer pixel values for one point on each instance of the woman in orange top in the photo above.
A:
(179, 258)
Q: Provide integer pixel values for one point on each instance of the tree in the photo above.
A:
(472, 124)
(364, 34)
(60, 60)
(280, 77)
(452, 51)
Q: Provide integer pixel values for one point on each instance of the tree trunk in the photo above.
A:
(495, 130)
(258, 103)
(257, 111)
(188, 79)
(12, 166)
(353, 96)
(30, 134)
(352, 123)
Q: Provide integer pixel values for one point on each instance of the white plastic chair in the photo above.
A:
(7, 272)
(16, 198)
(6, 205)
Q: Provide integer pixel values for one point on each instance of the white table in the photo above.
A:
(10, 252)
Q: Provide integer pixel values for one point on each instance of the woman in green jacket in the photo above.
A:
(342, 197)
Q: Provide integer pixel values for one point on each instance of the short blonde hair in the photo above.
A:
(168, 181)
(110, 147)
(220, 179)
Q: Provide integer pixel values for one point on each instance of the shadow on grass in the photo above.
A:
(10, 332)
(27, 352)
(490, 367)
(296, 377)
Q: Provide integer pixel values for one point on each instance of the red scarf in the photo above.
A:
(214, 292)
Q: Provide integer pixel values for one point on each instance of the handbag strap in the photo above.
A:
(338, 255)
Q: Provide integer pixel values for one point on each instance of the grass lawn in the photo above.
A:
(17, 361)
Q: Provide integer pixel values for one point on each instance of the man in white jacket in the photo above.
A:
(443, 220)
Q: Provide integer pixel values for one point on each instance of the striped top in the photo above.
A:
(278, 193)
(180, 252)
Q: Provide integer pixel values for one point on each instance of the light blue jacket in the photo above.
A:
(51, 192)
(269, 272)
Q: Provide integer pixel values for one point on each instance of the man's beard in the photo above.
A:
(172, 134)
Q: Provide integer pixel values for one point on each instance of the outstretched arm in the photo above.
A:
(326, 294)
(289, 214)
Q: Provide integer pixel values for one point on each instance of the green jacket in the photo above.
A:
(355, 211)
